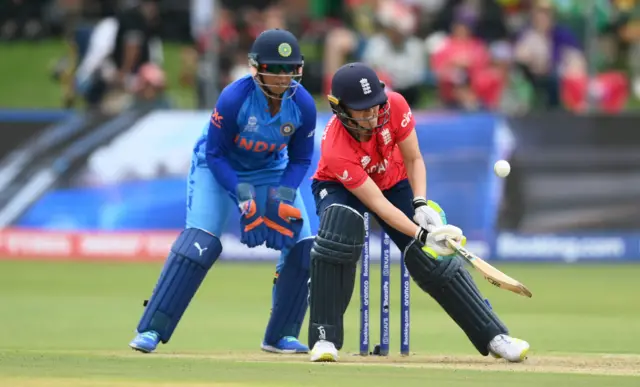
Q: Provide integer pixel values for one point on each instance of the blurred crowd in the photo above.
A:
(511, 56)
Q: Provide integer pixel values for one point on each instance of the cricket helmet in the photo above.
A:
(356, 86)
(276, 52)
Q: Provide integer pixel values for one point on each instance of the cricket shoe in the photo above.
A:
(509, 348)
(287, 344)
(145, 342)
(324, 351)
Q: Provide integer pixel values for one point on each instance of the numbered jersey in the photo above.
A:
(349, 162)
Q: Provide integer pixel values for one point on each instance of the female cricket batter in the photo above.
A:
(371, 161)
(252, 155)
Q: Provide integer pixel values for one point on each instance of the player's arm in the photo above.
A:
(355, 179)
(413, 161)
(282, 218)
(433, 239)
(300, 147)
(407, 140)
(222, 130)
(427, 213)
(371, 196)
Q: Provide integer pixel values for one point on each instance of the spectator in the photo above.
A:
(489, 23)
(516, 14)
(571, 14)
(628, 28)
(395, 53)
(547, 52)
(234, 28)
(254, 21)
(503, 86)
(149, 88)
(459, 58)
(118, 47)
(349, 39)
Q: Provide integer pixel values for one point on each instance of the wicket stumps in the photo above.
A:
(385, 295)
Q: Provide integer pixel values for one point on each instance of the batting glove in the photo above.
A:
(283, 220)
(428, 213)
(435, 239)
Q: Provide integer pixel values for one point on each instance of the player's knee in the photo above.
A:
(340, 235)
(211, 221)
(198, 246)
(300, 254)
(429, 272)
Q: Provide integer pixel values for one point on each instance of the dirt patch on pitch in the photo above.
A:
(602, 364)
(566, 363)
(569, 364)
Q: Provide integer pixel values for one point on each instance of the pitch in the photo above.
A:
(68, 324)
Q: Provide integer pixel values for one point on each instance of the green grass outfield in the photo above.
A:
(68, 325)
(25, 69)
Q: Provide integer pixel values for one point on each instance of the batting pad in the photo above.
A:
(451, 285)
(291, 294)
(191, 257)
(334, 255)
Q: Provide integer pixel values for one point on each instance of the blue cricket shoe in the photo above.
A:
(287, 344)
(145, 342)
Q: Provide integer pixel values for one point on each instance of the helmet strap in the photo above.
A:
(261, 83)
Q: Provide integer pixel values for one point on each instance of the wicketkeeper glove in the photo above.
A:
(253, 230)
(283, 220)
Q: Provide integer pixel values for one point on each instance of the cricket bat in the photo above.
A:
(490, 273)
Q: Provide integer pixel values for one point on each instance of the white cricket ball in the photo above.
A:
(502, 168)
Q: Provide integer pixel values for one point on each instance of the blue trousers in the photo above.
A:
(400, 195)
(209, 205)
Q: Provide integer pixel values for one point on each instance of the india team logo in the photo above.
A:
(287, 129)
(284, 49)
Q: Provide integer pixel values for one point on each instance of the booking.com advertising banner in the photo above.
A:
(127, 201)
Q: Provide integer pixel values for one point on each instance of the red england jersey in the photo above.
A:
(345, 160)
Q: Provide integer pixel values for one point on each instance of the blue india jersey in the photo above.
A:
(244, 143)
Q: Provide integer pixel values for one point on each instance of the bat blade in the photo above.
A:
(490, 273)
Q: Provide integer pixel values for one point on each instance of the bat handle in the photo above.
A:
(431, 227)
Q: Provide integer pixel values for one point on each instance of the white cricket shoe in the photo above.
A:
(324, 351)
(509, 348)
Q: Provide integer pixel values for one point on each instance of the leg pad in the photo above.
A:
(192, 255)
(334, 255)
(291, 294)
(451, 285)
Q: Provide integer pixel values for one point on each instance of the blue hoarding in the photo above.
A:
(137, 182)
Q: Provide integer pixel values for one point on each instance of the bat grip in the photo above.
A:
(451, 241)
